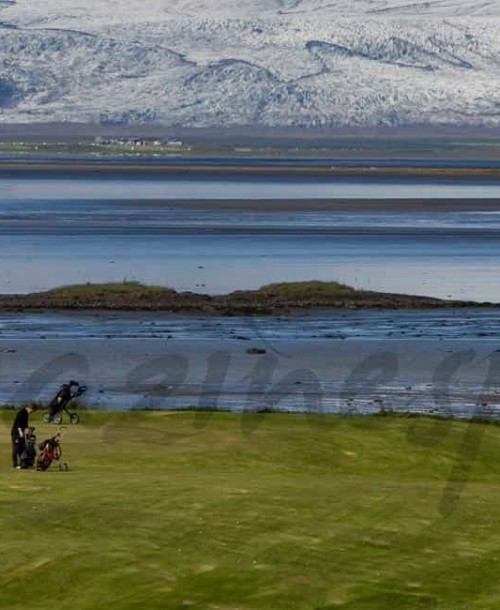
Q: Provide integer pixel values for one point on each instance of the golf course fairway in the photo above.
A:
(266, 511)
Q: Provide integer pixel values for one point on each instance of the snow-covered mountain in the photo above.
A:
(236, 62)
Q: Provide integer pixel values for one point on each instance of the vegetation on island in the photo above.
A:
(268, 299)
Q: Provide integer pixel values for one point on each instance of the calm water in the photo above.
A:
(59, 231)
(240, 187)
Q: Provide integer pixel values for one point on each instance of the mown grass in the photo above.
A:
(265, 511)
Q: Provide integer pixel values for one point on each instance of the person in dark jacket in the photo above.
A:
(62, 398)
(18, 431)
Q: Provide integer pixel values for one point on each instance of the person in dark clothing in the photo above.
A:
(17, 433)
(62, 398)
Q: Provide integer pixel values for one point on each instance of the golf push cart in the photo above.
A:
(59, 404)
(50, 450)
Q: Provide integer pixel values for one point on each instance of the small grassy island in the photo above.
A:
(268, 299)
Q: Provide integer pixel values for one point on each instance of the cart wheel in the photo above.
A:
(63, 467)
(46, 418)
(74, 418)
(57, 419)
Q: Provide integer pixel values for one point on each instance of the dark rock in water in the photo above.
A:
(257, 350)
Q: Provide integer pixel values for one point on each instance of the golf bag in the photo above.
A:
(50, 450)
(28, 456)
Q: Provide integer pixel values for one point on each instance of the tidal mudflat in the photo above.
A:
(433, 361)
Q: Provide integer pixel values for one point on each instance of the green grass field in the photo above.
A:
(227, 511)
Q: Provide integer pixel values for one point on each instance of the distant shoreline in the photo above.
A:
(161, 166)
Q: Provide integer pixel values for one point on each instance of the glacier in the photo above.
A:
(278, 63)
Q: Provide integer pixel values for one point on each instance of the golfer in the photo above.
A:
(18, 431)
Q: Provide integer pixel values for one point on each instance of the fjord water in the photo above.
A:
(220, 234)
(215, 235)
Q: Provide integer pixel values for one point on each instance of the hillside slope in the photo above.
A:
(269, 62)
